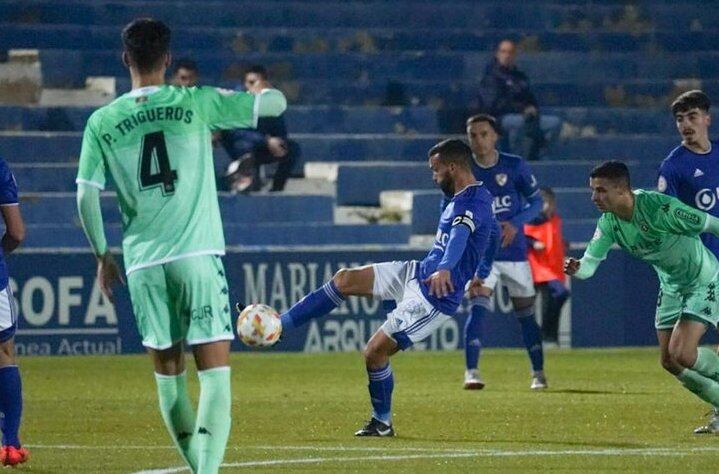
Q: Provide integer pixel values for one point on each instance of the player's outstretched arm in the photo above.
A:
(596, 252)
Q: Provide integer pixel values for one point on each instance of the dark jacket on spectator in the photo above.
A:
(505, 90)
(240, 141)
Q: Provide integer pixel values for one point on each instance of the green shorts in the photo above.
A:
(699, 304)
(186, 299)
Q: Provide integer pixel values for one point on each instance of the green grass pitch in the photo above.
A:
(605, 410)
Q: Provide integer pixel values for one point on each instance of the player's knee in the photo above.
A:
(343, 280)
(523, 304)
(686, 358)
(375, 358)
(682, 356)
(7, 353)
(669, 364)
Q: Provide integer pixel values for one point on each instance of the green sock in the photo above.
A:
(177, 412)
(213, 419)
(707, 363)
(703, 387)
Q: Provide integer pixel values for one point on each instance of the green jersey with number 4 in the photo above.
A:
(663, 232)
(155, 143)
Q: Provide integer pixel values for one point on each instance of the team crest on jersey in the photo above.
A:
(662, 184)
(501, 179)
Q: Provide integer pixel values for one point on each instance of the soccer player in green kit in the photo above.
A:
(155, 143)
(664, 232)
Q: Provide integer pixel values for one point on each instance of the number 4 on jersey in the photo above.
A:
(154, 152)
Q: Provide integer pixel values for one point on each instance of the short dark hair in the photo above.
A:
(184, 63)
(691, 100)
(258, 69)
(454, 151)
(612, 170)
(485, 118)
(146, 41)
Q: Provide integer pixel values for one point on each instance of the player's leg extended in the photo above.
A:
(175, 405)
(381, 384)
(214, 411)
(346, 282)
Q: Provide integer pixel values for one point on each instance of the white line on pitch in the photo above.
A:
(483, 453)
(257, 448)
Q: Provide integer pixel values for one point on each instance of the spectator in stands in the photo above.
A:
(505, 94)
(250, 149)
(185, 73)
(546, 257)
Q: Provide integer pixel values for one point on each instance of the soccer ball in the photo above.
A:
(258, 325)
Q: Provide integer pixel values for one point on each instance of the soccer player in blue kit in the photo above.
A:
(11, 451)
(516, 201)
(427, 293)
(691, 173)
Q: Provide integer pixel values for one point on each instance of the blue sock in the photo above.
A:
(381, 384)
(314, 305)
(10, 404)
(473, 330)
(532, 336)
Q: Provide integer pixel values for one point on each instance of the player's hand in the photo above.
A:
(475, 287)
(571, 266)
(108, 273)
(277, 147)
(440, 283)
(509, 232)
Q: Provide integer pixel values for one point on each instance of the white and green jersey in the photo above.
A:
(663, 232)
(155, 143)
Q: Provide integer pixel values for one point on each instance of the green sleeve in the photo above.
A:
(712, 225)
(88, 207)
(677, 218)
(597, 250)
(91, 169)
(226, 109)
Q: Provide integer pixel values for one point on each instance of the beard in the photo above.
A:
(447, 187)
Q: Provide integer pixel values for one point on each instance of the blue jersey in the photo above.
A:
(8, 197)
(471, 207)
(516, 199)
(693, 178)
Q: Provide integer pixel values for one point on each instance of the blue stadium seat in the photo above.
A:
(60, 208)
(359, 184)
(246, 234)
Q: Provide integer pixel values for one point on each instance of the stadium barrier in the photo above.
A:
(62, 311)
